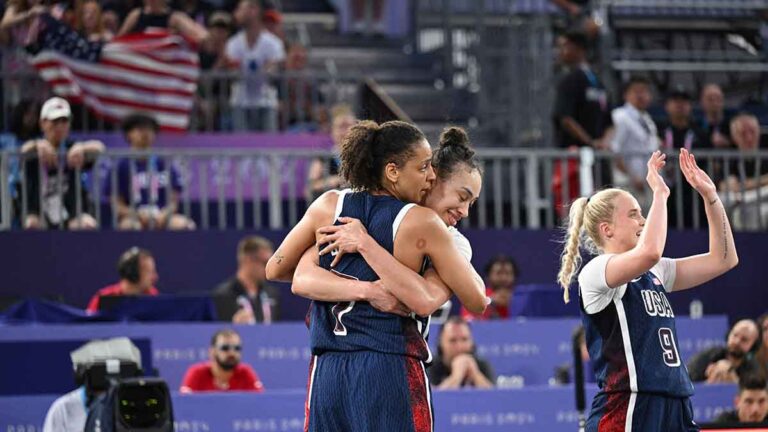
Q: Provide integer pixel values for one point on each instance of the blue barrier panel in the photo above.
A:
(530, 349)
(197, 261)
(44, 366)
(539, 409)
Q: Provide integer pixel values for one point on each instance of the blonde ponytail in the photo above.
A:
(570, 260)
(585, 220)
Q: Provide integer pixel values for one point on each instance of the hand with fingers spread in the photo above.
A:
(654, 178)
(383, 300)
(696, 177)
(348, 237)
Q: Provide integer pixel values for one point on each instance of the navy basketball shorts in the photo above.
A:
(367, 391)
(640, 412)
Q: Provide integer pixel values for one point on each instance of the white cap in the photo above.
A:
(55, 108)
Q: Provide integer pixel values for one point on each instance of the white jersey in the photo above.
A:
(461, 243)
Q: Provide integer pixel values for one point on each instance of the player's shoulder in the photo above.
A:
(594, 269)
(419, 217)
(327, 202)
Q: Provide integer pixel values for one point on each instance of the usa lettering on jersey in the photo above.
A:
(656, 304)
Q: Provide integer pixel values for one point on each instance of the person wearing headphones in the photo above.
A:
(725, 364)
(456, 364)
(138, 276)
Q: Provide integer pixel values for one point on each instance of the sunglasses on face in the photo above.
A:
(227, 347)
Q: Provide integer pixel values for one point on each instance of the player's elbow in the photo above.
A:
(276, 272)
(477, 306)
(426, 308)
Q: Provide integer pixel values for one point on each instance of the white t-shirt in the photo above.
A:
(253, 90)
(461, 242)
(67, 413)
(597, 295)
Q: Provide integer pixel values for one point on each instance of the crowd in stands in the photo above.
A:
(243, 42)
(583, 117)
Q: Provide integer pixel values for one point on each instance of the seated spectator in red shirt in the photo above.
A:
(223, 372)
(138, 276)
(501, 273)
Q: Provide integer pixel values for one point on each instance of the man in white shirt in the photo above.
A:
(67, 413)
(635, 138)
(256, 53)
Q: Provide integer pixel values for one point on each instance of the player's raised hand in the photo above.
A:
(696, 177)
(654, 178)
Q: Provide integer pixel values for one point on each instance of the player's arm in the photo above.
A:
(423, 232)
(721, 257)
(421, 295)
(622, 268)
(283, 262)
(316, 283)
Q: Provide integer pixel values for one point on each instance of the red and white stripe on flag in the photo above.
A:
(154, 72)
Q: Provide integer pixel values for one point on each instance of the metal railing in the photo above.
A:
(252, 189)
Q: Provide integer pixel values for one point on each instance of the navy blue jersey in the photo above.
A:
(357, 326)
(632, 339)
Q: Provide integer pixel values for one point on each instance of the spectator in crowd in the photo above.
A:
(24, 125)
(138, 276)
(751, 403)
(714, 122)
(148, 188)
(501, 273)
(209, 100)
(580, 113)
(745, 131)
(635, 138)
(224, 371)
(247, 298)
(727, 363)
(745, 174)
(257, 54)
(456, 364)
(362, 21)
(323, 173)
(20, 19)
(299, 96)
(88, 21)
(65, 163)
(273, 22)
(110, 19)
(579, 16)
(676, 132)
(762, 353)
(212, 50)
(156, 14)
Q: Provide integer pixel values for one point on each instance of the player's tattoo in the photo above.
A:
(725, 238)
(713, 201)
(279, 258)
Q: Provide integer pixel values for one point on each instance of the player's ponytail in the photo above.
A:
(584, 219)
(570, 260)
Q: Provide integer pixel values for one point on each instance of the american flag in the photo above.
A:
(154, 72)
